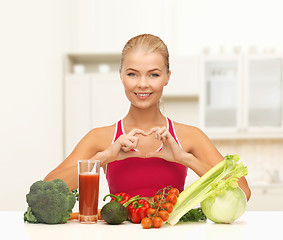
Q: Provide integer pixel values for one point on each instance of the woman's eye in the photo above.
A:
(154, 75)
(131, 74)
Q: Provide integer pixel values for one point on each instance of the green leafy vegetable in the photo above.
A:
(49, 202)
(194, 215)
(29, 217)
(214, 182)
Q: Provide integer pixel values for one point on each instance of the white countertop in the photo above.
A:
(249, 226)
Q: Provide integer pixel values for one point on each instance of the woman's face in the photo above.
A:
(144, 75)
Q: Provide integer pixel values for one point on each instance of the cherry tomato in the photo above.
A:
(168, 207)
(146, 223)
(175, 191)
(150, 212)
(157, 222)
(158, 198)
(171, 198)
(164, 215)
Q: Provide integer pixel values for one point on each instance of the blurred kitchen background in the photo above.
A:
(59, 79)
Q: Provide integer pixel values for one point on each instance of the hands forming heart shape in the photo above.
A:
(158, 142)
(144, 142)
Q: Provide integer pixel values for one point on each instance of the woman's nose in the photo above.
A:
(143, 82)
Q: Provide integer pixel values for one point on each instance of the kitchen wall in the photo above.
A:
(262, 156)
(36, 34)
(34, 37)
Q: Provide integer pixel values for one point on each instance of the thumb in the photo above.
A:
(122, 155)
(154, 154)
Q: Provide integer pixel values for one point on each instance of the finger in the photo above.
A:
(154, 154)
(127, 145)
(159, 132)
(152, 130)
(164, 136)
(136, 131)
(123, 155)
(134, 141)
(125, 149)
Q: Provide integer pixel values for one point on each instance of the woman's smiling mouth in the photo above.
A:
(143, 95)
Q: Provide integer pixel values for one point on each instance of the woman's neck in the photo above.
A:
(144, 119)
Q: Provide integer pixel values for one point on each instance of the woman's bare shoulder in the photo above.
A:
(189, 136)
(103, 134)
(97, 139)
(185, 130)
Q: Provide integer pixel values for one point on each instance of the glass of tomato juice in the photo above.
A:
(89, 171)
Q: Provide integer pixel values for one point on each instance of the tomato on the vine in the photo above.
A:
(168, 207)
(146, 223)
(172, 198)
(150, 212)
(157, 222)
(158, 198)
(164, 215)
(174, 191)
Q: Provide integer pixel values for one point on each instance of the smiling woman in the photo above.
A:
(145, 151)
(144, 76)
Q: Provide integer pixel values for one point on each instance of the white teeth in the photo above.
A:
(143, 94)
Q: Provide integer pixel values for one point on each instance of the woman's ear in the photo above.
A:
(168, 78)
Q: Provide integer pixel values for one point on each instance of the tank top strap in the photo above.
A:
(171, 129)
(118, 130)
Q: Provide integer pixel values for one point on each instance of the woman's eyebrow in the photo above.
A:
(131, 69)
(151, 70)
(155, 69)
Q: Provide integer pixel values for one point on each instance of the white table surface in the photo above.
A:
(251, 225)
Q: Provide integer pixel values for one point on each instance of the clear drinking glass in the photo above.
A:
(89, 172)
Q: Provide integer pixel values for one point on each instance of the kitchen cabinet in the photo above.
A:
(181, 95)
(264, 92)
(266, 197)
(184, 77)
(221, 93)
(103, 26)
(93, 95)
(241, 96)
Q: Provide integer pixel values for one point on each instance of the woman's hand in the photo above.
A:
(122, 147)
(129, 141)
(171, 151)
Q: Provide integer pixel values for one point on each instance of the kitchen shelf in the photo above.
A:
(91, 62)
(233, 135)
(181, 97)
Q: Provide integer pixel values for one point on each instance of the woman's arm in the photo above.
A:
(91, 146)
(197, 152)
(204, 155)
(97, 145)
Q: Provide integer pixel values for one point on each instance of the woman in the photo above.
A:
(145, 151)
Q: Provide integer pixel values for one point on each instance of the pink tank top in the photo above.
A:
(144, 176)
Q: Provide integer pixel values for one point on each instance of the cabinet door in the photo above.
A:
(266, 199)
(264, 92)
(221, 93)
(108, 101)
(77, 117)
(184, 77)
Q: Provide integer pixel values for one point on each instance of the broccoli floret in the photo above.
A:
(29, 217)
(49, 202)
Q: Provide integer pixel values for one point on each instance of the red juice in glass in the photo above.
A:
(88, 196)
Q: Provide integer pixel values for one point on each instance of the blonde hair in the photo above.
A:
(148, 43)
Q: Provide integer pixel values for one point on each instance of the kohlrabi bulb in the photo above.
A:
(225, 208)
